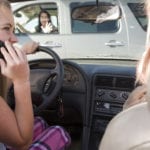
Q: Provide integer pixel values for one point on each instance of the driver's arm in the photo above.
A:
(16, 126)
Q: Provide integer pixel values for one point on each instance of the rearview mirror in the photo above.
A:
(96, 14)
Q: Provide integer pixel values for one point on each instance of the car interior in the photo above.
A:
(82, 96)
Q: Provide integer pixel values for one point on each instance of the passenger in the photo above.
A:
(45, 24)
(129, 130)
(18, 128)
(138, 95)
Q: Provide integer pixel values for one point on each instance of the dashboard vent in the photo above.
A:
(104, 81)
(124, 82)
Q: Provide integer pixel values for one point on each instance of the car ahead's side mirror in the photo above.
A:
(96, 13)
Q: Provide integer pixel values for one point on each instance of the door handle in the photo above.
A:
(114, 43)
(51, 44)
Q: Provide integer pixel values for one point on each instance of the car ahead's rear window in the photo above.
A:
(138, 9)
(82, 25)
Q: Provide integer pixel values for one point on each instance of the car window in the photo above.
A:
(138, 10)
(26, 18)
(89, 18)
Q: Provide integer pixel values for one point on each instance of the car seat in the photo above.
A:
(130, 129)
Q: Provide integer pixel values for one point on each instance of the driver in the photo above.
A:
(19, 130)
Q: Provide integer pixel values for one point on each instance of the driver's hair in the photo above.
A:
(3, 80)
(5, 3)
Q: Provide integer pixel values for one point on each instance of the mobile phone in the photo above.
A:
(2, 45)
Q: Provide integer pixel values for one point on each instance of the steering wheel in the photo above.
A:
(47, 84)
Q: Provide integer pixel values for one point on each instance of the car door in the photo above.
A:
(107, 38)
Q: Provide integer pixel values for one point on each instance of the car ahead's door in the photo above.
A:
(97, 30)
(107, 29)
(85, 29)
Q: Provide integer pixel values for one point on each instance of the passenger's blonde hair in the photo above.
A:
(144, 64)
(142, 93)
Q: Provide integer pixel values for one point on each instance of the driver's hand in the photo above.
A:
(15, 66)
(30, 47)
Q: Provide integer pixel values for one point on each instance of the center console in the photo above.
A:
(109, 95)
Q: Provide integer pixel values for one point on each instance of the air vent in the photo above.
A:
(125, 82)
(122, 82)
(104, 81)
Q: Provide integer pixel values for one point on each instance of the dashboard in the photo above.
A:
(109, 86)
(91, 94)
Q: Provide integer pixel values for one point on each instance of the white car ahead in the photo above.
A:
(86, 31)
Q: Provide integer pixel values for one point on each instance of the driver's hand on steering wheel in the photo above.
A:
(29, 47)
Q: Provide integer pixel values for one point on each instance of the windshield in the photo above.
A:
(86, 29)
